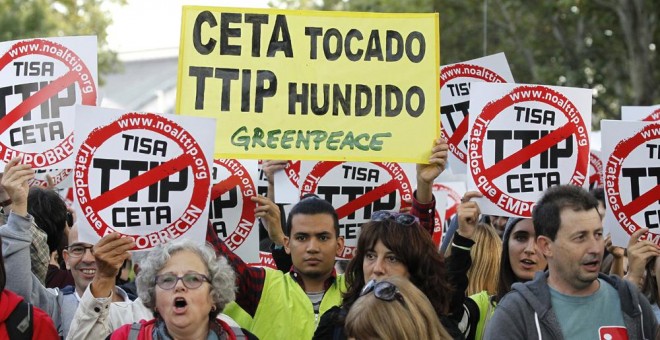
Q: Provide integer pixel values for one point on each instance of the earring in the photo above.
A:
(212, 308)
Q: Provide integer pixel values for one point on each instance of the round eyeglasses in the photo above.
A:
(190, 280)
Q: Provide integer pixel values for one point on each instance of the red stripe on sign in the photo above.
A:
(523, 155)
(641, 202)
(593, 178)
(367, 198)
(459, 133)
(36, 99)
(223, 186)
(140, 182)
(451, 211)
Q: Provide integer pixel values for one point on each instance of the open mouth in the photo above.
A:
(592, 264)
(527, 263)
(180, 304)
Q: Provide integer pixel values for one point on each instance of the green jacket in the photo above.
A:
(486, 310)
(285, 311)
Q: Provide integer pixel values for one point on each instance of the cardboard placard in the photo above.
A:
(40, 82)
(312, 85)
(144, 175)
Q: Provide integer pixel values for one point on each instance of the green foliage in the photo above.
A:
(22, 19)
(609, 46)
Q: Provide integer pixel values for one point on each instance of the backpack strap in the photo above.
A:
(135, 331)
(19, 323)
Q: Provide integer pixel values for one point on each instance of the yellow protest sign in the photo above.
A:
(312, 85)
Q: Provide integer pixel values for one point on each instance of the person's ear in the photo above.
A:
(286, 245)
(340, 245)
(65, 255)
(545, 245)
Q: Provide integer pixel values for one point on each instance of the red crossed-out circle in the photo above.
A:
(613, 168)
(450, 73)
(292, 171)
(92, 206)
(596, 179)
(401, 185)
(449, 212)
(239, 177)
(653, 117)
(492, 109)
(265, 260)
(451, 193)
(22, 49)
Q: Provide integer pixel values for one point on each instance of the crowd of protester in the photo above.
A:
(552, 276)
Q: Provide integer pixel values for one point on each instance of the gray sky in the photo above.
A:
(156, 24)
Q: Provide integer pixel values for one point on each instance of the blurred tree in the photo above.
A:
(609, 46)
(21, 19)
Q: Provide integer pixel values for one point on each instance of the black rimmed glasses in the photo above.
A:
(383, 290)
(401, 218)
(190, 280)
(78, 250)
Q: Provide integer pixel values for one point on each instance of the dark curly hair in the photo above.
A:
(50, 214)
(414, 247)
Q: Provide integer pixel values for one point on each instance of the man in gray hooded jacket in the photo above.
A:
(572, 300)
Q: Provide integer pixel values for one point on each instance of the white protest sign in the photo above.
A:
(232, 212)
(595, 169)
(455, 80)
(524, 139)
(455, 191)
(357, 189)
(40, 82)
(452, 191)
(67, 196)
(632, 179)
(266, 260)
(643, 113)
(287, 183)
(61, 178)
(144, 175)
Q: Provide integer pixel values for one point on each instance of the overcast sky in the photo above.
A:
(143, 25)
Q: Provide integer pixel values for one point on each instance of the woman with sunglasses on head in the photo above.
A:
(393, 309)
(393, 244)
(186, 286)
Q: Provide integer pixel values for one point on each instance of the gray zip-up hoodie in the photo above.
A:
(526, 312)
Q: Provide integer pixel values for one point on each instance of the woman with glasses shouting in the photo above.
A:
(186, 286)
(393, 309)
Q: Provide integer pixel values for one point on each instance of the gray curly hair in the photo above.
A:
(221, 274)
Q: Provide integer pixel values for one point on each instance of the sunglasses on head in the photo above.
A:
(401, 218)
(383, 290)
